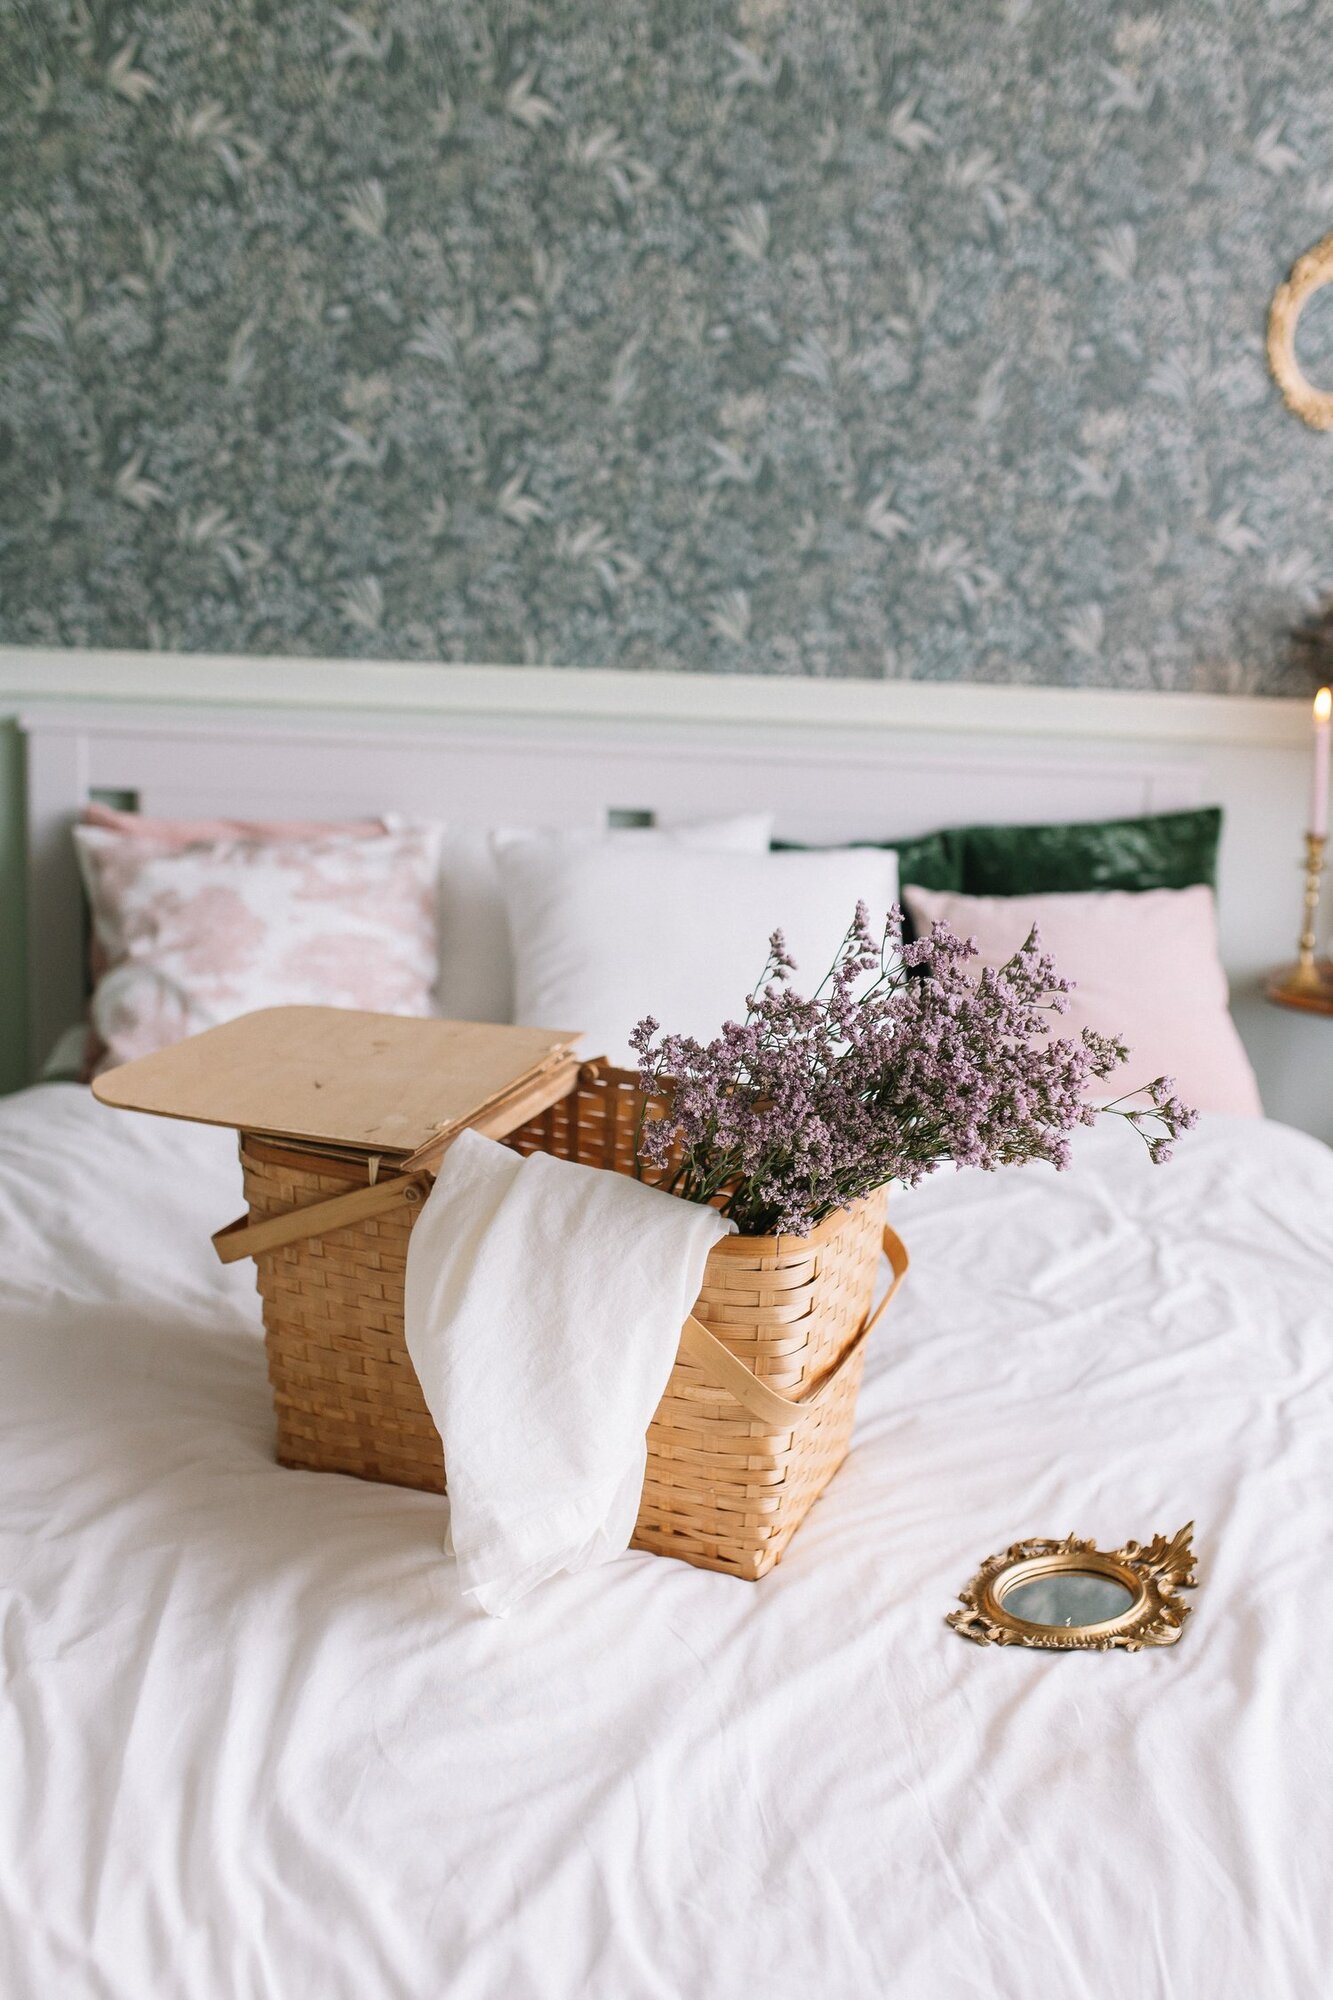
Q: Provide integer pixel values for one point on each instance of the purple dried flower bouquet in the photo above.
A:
(899, 1061)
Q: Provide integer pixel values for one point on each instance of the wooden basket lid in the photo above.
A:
(389, 1083)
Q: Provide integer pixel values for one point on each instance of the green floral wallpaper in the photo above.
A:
(827, 337)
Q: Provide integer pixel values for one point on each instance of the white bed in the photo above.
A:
(252, 1747)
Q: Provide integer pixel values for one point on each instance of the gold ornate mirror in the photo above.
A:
(1071, 1596)
(1309, 275)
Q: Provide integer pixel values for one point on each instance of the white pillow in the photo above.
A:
(1147, 969)
(604, 933)
(476, 979)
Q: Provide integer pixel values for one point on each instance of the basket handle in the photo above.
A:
(727, 1371)
(244, 1238)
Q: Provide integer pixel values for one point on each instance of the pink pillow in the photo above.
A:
(194, 933)
(1147, 970)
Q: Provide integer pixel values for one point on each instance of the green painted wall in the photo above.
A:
(13, 1008)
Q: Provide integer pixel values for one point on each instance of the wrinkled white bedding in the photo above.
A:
(253, 1748)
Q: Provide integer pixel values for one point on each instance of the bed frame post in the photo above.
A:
(57, 778)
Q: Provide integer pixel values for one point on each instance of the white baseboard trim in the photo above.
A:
(30, 675)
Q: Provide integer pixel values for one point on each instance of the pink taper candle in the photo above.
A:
(1323, 706)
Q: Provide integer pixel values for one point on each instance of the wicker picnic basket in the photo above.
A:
(758, 1411)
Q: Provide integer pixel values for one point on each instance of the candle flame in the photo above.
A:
(1323, 704)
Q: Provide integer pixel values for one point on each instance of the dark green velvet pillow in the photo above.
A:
(1157, 851)
(1162, 851)
(934, 861)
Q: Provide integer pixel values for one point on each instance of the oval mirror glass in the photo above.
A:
(1068, 1597)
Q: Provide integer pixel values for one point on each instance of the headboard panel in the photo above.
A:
(827, 785)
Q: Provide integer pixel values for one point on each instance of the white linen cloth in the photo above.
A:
(543, 1310)
(255, 1746)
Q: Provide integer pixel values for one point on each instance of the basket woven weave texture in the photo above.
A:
(724, 1489)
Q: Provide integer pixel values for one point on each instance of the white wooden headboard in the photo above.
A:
(836, 764)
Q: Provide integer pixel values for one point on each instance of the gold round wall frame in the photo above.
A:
(1071, 1596)
(1309, 274)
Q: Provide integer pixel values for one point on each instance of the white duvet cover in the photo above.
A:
(252, 1747)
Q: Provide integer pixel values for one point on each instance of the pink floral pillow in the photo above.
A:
(196, 932)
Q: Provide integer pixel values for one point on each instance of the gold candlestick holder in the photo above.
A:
(1308, 983)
